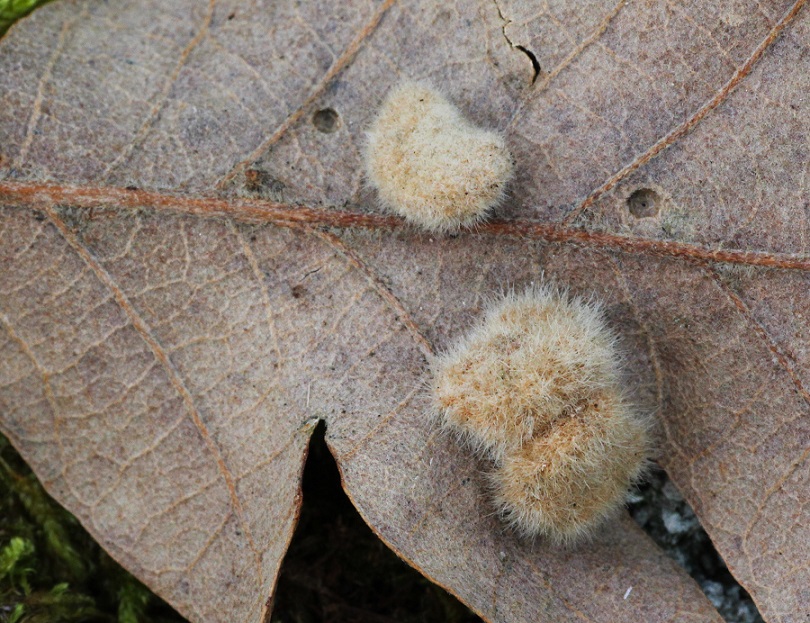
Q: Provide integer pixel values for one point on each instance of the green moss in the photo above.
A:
(14, 567)
(51, 570)
(12, 10)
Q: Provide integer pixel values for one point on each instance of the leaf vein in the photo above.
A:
(160, 354)
(337, 66)
(34, 196)
(688, 125)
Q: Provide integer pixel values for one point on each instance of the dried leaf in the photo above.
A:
(194, 273)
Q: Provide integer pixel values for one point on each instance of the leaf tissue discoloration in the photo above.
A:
(193, 268)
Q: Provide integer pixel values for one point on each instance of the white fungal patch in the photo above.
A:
(536, 387)
(432, 166)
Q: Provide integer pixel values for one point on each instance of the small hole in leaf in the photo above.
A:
(644, 202)
(326, 120)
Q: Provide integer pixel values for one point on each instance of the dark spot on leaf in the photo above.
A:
(643, 203)
(298, 291)
(255, 179)
(326, 120)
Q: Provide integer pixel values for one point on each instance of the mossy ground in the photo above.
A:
(12, 10)
(51, 569)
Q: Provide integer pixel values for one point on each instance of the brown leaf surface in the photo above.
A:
(166, 349)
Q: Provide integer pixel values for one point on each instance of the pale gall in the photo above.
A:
(537, 388)
(432, 166)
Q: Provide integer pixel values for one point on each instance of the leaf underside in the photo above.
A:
(194, 274)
